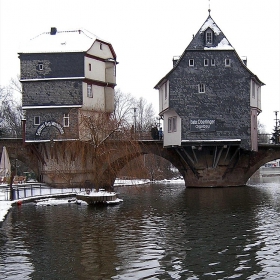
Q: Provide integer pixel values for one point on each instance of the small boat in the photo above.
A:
(93, 197)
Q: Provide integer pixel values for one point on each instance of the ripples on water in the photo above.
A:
(159, 232)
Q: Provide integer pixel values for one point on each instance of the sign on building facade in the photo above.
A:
(202, 125)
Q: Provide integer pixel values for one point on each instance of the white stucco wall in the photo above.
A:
(164, 96)
(97, 102)
(172, 138)
(97, 69)
(95, 50)
(255, 95)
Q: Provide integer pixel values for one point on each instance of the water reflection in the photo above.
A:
(160, 232)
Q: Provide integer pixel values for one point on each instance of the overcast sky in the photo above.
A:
(146, 34)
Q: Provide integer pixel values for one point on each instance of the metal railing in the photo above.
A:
(23, 191)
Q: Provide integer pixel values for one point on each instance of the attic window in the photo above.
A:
(191, 62)
(209, 37)
(212, 62)
(227, 62)
(101, 46)
(89, 66)
(41, 66)
(206, 62)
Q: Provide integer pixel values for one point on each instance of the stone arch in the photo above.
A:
(111, 171)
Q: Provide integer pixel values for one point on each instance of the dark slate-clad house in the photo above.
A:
(65, 74)
(210, 94)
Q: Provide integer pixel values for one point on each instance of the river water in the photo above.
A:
(160, 231)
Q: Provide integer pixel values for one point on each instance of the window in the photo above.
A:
(191, 62)
(101, 46)
(165, 90)
(36, 120)
(89, 67)
(227, 62)
(212, 62)
(41, 66)
(169, 125)
(206, 62)
(66, 120)
(89, 91)
(172, 124)
(201, 88)
(209, 38)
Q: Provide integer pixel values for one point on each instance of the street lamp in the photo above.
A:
(134, 116)
(276, 130)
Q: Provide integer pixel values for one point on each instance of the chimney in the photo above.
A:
(53, 30)
(175, 59)
(244, 59)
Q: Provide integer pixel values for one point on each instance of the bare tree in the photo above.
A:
(124, 103)
(10, 110)
(145, 115)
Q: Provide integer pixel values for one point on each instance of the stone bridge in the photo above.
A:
(64, 163)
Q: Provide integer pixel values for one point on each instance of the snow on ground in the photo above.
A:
(4, 208)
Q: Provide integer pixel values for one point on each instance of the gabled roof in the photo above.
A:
(220, 42)
(79, 40)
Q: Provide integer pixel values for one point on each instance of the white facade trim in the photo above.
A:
(51, 107)
(51, 79)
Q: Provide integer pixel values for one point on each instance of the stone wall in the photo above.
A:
(226, 99)
(54, 65)
(51, 124)
(52, 93)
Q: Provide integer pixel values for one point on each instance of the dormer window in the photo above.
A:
(209, 37)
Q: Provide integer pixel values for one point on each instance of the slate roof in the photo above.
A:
(220, 41)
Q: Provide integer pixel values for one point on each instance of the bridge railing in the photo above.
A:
(131, 135)
(35, 190)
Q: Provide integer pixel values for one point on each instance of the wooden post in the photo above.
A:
(11, 184)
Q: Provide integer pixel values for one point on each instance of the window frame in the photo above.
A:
(191, 64)
(213, 62)
(172, 124)
(227, 62)
(40, 66)
(201, 88)
(89, 91)
(36, 120)
(206, 62)
(66, 120)
(210, 42)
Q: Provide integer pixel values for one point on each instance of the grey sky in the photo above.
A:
(146, 34)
